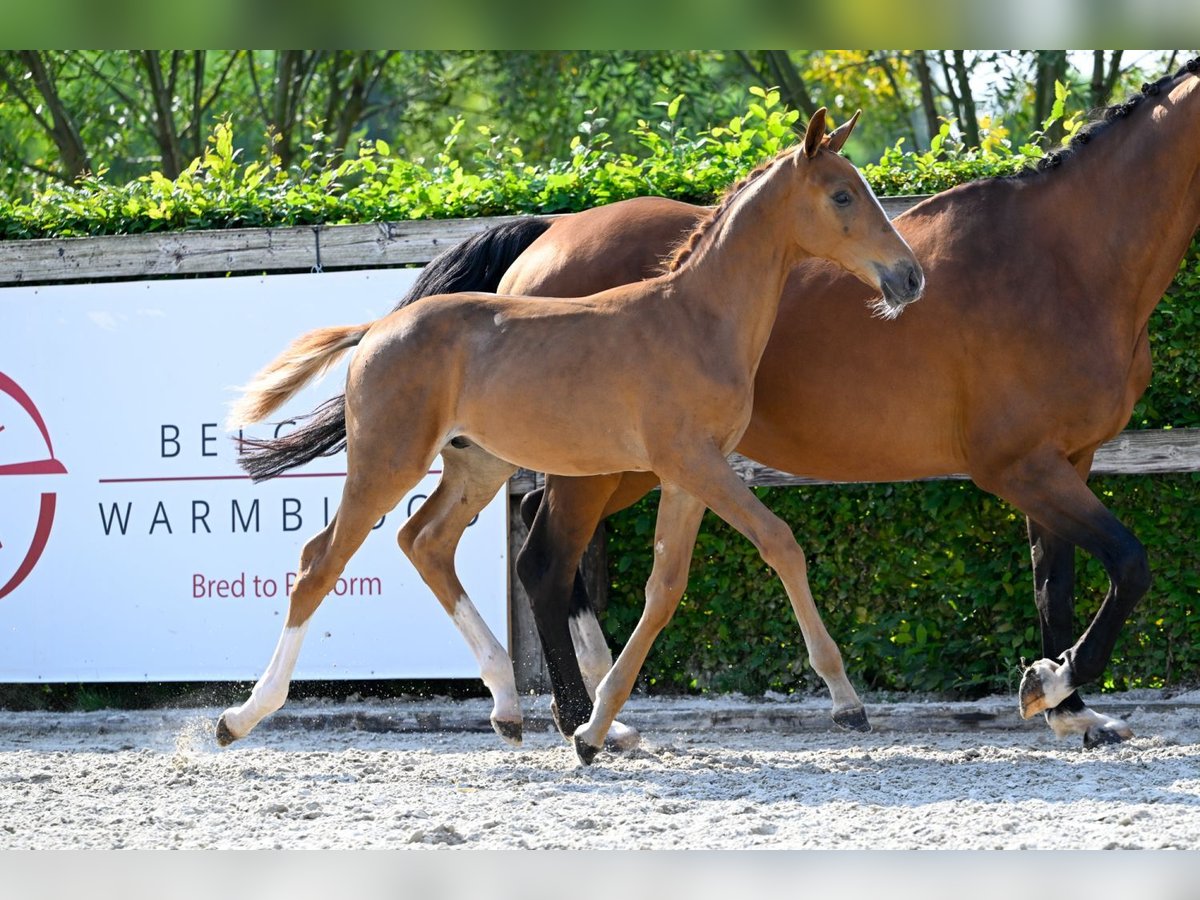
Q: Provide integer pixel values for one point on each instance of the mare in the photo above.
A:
(1026, 354)
(655, 376)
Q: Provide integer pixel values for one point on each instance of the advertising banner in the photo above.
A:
(132, 546)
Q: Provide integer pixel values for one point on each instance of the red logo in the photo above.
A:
(47, 466)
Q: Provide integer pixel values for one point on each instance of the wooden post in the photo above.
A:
(524, 646)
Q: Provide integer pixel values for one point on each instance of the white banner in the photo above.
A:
(132, 547)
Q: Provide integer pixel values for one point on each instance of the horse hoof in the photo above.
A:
(1102, 736)
(621, 738)
(853, 719)
(570, 717)
(1031, 698)
(585, 751)
(225, 737)
(510, 731)
(1044, 685)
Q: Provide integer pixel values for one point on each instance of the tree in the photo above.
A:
(32, 76)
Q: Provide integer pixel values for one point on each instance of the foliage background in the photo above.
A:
(925, 586)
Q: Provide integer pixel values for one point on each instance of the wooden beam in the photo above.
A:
(1130, 453)
(249, 249)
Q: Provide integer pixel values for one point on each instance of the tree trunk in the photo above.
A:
(1051, 67)
(928, 105)
(161, 99)
(777, 67)
(969, 123)
(1104, 77)
(61, 128)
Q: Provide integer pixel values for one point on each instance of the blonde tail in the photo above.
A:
(307, 357)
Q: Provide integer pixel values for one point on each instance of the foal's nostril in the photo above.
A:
(913, 282)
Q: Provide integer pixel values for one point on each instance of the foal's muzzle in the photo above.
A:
(901, 284)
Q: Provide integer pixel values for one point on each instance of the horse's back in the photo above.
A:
(590, 251)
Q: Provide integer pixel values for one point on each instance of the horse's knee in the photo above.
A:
(779, 550)
(1131, 575)
(663, 592)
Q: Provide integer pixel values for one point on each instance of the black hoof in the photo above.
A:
(558, 723)
(852, 719)
(585, 751)
(510, 731)
(225, 737)
(1102, 737)
(570, 717)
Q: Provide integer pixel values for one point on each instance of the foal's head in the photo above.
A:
(843, 221)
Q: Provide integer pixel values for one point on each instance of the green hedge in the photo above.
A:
(473, 175)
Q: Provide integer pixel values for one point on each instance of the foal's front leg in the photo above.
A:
(706, 474)
(679, 516)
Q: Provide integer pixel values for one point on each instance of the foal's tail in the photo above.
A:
(307, 357)
(477, 264)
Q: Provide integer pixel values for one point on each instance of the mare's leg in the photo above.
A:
(705, 474)
(562, 517)
(365, 499)
(470, 478)
(1052, 493)
(1054, 593)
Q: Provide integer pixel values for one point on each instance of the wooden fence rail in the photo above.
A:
(302, 248)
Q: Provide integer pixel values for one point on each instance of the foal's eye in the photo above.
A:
(842, 198)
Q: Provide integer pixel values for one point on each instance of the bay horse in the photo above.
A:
(655, 376)
(1026, 354)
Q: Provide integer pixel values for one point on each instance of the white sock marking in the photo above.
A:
(271, 690)
(495, 666)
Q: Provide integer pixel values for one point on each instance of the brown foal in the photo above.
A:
(656, 376)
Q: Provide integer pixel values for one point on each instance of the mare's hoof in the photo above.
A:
(1044, 685)
(570, 718)
(621, 738)
(854, 719)
(585, 751)
(509, 730)
(1116, 733)
(1031, 699)
(225, 737)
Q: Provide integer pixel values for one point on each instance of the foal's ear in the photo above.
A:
(815, 133)
(838, 136)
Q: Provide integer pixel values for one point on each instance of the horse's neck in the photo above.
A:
(1134, 201)
(737, 274)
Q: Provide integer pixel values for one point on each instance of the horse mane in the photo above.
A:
(690, 242)
(1102, 119)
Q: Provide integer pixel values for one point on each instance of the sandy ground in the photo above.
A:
(710, 774)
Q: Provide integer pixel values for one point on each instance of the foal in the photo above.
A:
(665, 369)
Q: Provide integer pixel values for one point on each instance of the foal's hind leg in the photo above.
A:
(324, 557)
(470, 478)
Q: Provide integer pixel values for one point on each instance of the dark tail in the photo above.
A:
(477, 264)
